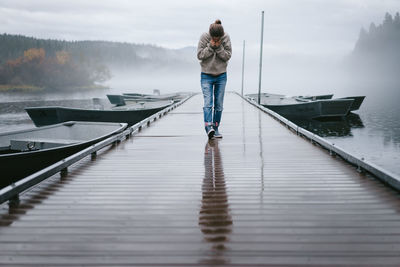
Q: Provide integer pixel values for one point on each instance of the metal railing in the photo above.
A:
(362, 165)
(13, 191)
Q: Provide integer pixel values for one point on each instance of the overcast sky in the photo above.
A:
(291, 26)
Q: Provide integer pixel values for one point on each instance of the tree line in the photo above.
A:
(377, 51)
(58, 71)
(28, 60)
(385, 35)
(112, 54)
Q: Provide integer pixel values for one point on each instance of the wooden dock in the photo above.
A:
(167, 197)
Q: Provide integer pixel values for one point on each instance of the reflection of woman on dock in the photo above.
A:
(214, 51)
(214, 219)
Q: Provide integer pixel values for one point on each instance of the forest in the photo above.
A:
(58, 71)
(376, 55)
(59, 65)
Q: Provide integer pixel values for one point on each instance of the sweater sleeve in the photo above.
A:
(204, 49)
(224, 51)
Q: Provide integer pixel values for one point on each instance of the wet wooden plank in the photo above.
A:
(259, 196)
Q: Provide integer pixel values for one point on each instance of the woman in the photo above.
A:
(214, 51)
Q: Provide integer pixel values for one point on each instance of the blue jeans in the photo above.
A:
(213, 92)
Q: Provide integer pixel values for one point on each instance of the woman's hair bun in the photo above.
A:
(216, 29)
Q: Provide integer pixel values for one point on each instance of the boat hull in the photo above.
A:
(357, 101)
(18, 165)
(11, 165)
(313, 109)
(42, 116)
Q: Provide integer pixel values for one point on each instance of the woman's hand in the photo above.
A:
(215, 42)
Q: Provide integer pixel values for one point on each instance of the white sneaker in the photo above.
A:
(210, 131)
(217, 134)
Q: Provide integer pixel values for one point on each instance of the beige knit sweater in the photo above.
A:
(214, 61)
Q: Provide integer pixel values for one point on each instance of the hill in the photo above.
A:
(58, 64)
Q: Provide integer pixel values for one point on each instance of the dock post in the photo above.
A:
(261, 53)
(14, 201)
(64, 172)
(244, 47)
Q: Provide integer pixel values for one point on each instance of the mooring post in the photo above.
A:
(14, 201)
(244, 45)
(64, 172)
(261, 53)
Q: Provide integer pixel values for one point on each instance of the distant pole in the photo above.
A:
(261, 52)
(244, 45)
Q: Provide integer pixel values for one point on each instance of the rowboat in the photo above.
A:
(297, 107)
(129, 114)
(25, 152)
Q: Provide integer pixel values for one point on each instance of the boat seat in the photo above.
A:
(302, 99)
(29, 144)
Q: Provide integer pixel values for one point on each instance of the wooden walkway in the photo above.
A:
(260, 196)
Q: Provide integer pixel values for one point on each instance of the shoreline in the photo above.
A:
(7, 88)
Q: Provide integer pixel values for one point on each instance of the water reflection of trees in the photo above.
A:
(214, 219)
(339, 127)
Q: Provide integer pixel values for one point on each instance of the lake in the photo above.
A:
(373, 132)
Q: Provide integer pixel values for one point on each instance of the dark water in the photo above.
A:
(373, 132)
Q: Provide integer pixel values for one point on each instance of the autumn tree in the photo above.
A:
(57, 72)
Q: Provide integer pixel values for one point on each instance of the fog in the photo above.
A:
(306, 43)
(284, 74)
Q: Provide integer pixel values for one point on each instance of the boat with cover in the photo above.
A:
(296, 107)
(27, 151)
(129, 114)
